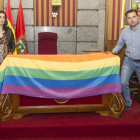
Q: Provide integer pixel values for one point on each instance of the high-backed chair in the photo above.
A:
(47, 43)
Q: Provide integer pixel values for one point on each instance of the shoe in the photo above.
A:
(127, 107)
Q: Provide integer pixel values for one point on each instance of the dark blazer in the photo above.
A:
(10, 40)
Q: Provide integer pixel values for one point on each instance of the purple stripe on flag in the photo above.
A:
(62, 93)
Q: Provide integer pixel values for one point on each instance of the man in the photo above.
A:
(131, 37)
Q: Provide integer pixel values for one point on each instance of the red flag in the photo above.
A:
(10, 21)
(20, 32)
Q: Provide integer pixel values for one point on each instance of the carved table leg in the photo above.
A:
(116, 106)
(5, 108)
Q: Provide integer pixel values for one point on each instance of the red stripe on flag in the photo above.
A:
(20, 31)
(113, 19)
(52, 20)
(47, 12)
(74, 7)
(37, 20)
(63, 13)
(68, 12)
(9, 13)
(42, 12)
(118, 22)
(58, 17)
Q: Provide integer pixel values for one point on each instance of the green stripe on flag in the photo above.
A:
(60, 75)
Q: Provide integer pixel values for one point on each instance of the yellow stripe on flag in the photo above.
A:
(10, 26)
(60, 66)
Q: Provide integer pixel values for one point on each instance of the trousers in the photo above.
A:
(128, 67)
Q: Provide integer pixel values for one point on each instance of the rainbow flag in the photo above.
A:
(60, 76)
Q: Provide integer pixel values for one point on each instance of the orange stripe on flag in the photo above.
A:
(67, 58)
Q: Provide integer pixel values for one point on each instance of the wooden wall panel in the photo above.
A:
(113, 26)
(111, 45)
(114, 19)
(1, 5)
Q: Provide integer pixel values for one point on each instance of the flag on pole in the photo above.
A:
(10, 22)
(20, 32)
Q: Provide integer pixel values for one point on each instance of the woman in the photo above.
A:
(7, 44)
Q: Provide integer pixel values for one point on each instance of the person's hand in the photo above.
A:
(10, 53)
(108, 52)
(113, 52)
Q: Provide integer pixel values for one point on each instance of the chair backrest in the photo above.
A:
(47, 43)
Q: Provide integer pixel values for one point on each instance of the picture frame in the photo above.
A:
(127, 5)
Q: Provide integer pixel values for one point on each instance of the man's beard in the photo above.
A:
(134, 25)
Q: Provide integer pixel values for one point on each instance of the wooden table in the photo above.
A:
(112, 105)
(10, 108)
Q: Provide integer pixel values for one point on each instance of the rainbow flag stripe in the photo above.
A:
(60, 76)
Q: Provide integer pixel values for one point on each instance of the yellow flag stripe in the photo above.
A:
(10, 26)
(59, 66)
